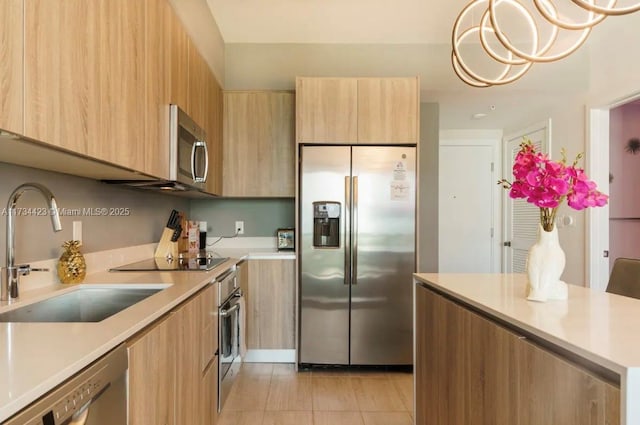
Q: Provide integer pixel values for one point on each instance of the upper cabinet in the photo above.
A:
(213, 128)
(326, 110)
(159, 21)
(259, 144)
(357, 110)
(388, 110)
(11, 48)
(103, 91)
(87, 94)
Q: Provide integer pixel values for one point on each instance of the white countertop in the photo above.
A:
(595, 325)
(36, 357)
(601, 327)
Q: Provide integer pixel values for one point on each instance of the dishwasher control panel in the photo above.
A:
(77, 399)
(73, 401)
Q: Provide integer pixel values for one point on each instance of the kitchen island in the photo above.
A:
(484, 354)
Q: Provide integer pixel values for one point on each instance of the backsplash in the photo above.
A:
(131, 218)
(261, 216)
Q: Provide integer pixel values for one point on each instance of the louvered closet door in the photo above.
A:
(521, 217)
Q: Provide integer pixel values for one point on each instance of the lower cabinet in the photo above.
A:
(173, 366)
(152, 375)
(470, 370)
(209, 408)
(271, 304)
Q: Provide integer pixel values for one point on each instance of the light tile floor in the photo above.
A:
(274, 394)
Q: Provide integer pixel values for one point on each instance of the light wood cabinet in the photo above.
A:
(11, 64)
(197, 71)
(209, 413)
(326, 110)
(173, 365)
(270, 302)
(62, 84)
(189, 330)
(471, 370)
(158, 24)
(179, 50)
(259, 144)
(357, 110)
(388, 110)
(88, 93)
(213, 128)
(152, 375)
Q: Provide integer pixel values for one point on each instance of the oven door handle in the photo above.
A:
(225, 275)
(225, 313)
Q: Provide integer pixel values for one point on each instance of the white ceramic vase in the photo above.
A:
(545, 265)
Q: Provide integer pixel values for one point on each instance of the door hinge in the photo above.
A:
(507, 243)
(492, 232)
(492, 166)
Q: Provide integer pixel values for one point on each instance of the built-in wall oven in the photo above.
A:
(230, 332)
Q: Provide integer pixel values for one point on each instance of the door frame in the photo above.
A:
(492, 138)
(597, 168)
(545, 126)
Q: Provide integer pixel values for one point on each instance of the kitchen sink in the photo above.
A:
(90, 303)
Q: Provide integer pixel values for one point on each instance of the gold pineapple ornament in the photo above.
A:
(71, 267)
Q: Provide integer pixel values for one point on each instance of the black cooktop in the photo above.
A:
(172, 264)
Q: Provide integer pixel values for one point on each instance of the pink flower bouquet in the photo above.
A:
(546, 183)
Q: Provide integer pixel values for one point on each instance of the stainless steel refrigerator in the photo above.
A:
(357, 254)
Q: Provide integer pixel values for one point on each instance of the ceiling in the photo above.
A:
(308, 35)
(336, 21)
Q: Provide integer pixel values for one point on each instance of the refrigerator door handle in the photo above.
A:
(346, 233)
(354, 233)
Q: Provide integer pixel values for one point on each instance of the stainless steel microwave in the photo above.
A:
(188, 154)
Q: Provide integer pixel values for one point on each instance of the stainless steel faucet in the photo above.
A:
(11, 273)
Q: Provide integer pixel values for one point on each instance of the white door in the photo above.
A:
(466, 214)
(521, 218)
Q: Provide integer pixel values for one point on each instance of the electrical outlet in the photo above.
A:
(77, 231)
(239, 228)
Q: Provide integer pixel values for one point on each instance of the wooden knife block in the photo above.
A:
(165, 246)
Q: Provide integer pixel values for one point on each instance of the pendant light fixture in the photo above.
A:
(513, 61)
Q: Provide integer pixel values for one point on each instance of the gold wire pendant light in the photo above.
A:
(515, 61)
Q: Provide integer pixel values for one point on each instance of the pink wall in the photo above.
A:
(624, 190)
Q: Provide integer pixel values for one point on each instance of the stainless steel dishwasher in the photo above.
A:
(95, 396)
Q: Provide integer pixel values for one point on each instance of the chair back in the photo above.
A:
(625, 278)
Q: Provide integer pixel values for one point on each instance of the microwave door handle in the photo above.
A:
(199, 144)
(206, 161)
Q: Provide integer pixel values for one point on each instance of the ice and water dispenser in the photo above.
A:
(326, 224)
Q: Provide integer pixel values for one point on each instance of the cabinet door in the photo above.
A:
(11, 50)
(197, 71)
(271, 304)
(62, 84)
(553, 391)
(122, 83)
(87, 94)
(213, 128)
(158, 87)
(151, 375)
(179, 51)
(208, 305)
(210, 394)
(388, 110)
(326, 110)
(259, 146)
(188, 398)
